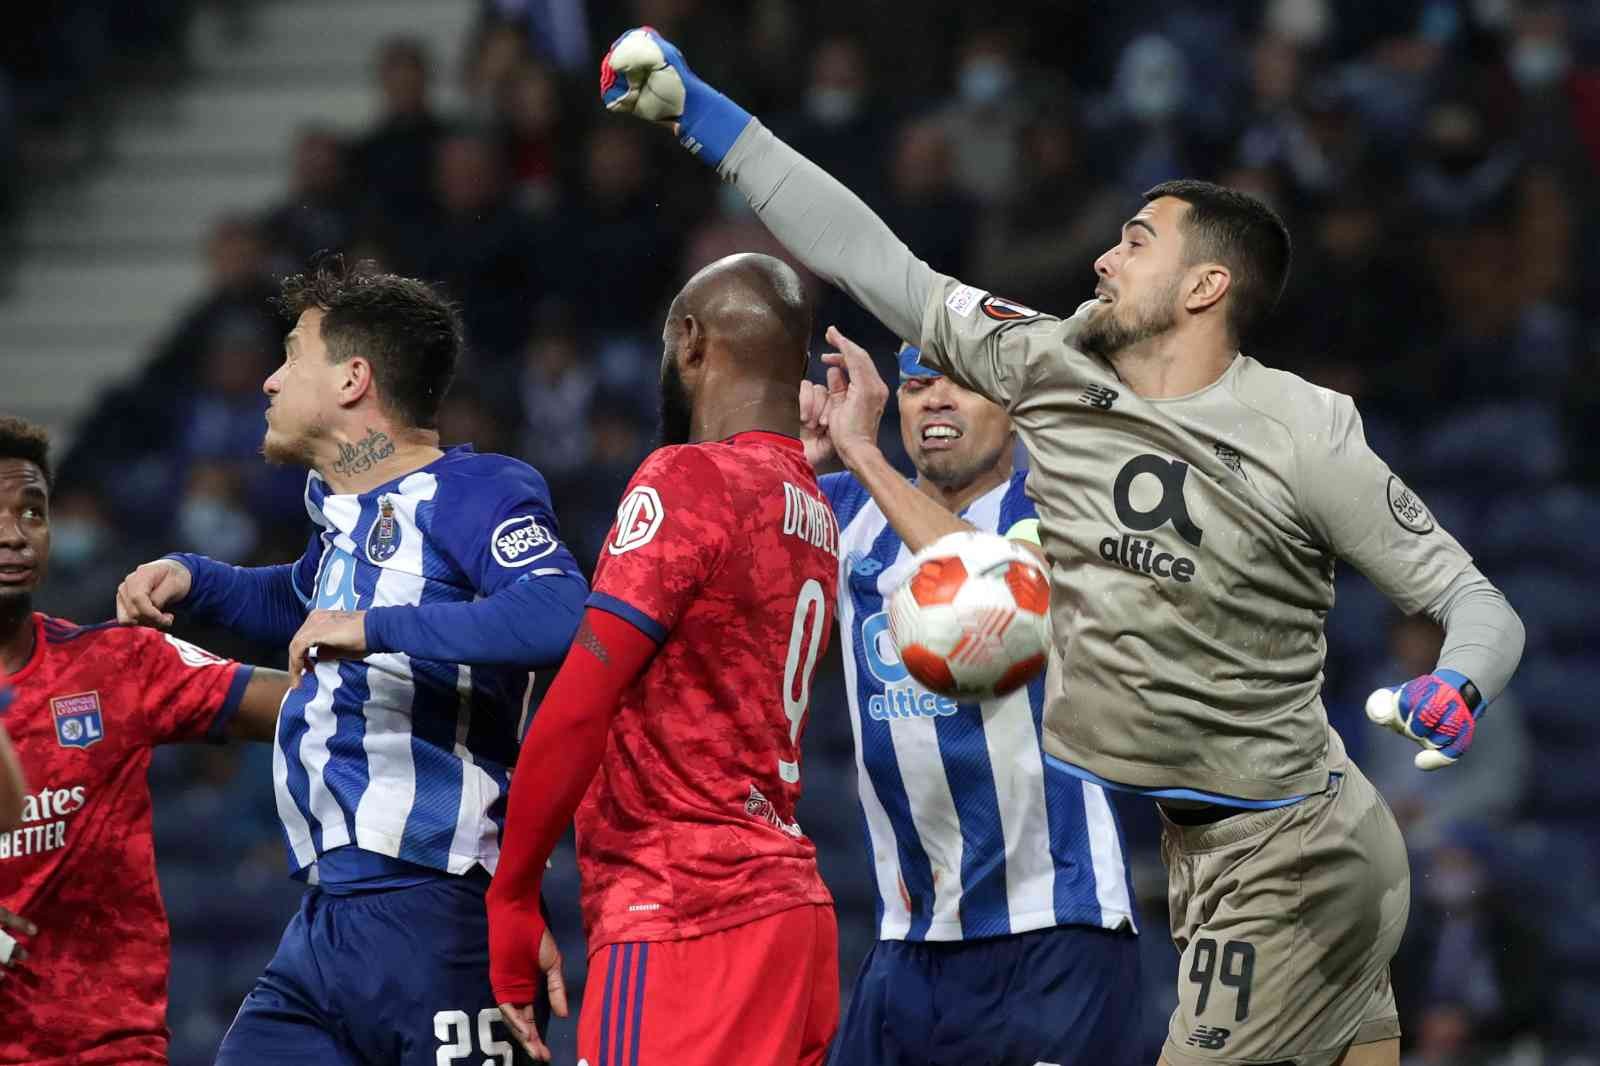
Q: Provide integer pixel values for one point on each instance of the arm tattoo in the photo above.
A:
(589, 640)
(365, 453)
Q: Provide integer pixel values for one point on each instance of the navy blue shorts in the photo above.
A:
(1067, 995)
(395, 975)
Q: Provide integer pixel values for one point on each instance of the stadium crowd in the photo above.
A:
(1436, 161)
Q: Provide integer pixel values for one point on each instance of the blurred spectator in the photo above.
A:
(494, 54)
(1142, 115)
(466, 418)
(1359, 313)
(319, 214)
(131, 440)
(227, 412)
(995, 99)
(559, 29)
(1467, 971)
(616, 257)
(394, 161)
(841, 125)
(91, 551)
(239, 284)
(214, 517)
(927, 208)
(1041, 248)
(587, 501)
(1485, 789)
(528, 111)
(556, 389)
(478, 245)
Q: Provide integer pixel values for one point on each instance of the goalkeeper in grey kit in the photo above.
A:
(1192, 504)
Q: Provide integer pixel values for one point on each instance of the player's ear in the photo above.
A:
(356, 381)
(1208, 284)
(695, 340)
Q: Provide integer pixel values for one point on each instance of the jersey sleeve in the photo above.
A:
(187, 692)
(992, 346)
(672, 531)
(1364, 514)
(507, 533)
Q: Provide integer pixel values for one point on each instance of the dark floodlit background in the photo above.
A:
(1437, 160)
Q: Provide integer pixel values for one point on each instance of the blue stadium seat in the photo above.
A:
(1556, 528)
(1505, 445)
(1561, 611)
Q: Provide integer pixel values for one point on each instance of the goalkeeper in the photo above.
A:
(1192, 503)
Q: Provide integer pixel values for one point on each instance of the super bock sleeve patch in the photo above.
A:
(516, 542)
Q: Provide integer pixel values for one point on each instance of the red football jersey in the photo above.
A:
(727, 554)
(85, 712)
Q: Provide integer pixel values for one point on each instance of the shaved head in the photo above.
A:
(740, 324)
(754, 304)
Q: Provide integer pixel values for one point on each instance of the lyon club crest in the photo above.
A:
(78, 721)
(383, 539)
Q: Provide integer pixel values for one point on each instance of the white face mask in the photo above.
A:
(74, 542)
(1151, 79)
(833, 106)
(985, 81)
(209, 525)
(1537, 62)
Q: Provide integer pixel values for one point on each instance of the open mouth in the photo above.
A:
(937, 435)
(15, 573)
(1102, 296)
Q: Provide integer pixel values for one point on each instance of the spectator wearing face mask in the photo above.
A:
(840, 124)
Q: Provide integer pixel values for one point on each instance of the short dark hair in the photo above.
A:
(409, 332)
(1242, 233)
(21, 439)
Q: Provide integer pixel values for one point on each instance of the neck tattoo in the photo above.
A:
(364, 454)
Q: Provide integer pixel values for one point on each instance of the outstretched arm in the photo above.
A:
(560, 756)
(261, 603)
(257, 716)
(817, 219)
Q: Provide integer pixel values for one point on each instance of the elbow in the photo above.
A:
(13, 793)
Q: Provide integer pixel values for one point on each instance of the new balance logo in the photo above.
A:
(1209, 1037)
(1099, 397)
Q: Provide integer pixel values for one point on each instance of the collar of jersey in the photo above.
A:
(33, 660)
(782, 440)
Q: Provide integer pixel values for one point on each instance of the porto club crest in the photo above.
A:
(383, 539)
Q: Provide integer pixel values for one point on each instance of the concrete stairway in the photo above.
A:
(108, 263)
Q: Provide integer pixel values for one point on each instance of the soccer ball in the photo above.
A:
(973, 619)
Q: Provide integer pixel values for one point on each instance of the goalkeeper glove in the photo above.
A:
(1439, 711)
(644, 74)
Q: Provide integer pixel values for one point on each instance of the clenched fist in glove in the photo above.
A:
(644, 74)
(1439, 711)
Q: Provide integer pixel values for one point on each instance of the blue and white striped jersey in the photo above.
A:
(401, 757)
(971, 834)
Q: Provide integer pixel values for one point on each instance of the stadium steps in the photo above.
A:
(107, 264)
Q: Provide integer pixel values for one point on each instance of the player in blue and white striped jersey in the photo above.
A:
(435, 580)
(1005, 911)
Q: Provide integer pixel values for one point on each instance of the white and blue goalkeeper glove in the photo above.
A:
(644, 74)
(1438, 711)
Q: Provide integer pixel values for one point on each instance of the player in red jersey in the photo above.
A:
(86, 968)
(710, 932)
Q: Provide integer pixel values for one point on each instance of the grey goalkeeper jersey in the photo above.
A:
(1192, 543)
(1192, 540)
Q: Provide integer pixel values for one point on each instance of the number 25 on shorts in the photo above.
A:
(454, 1031)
